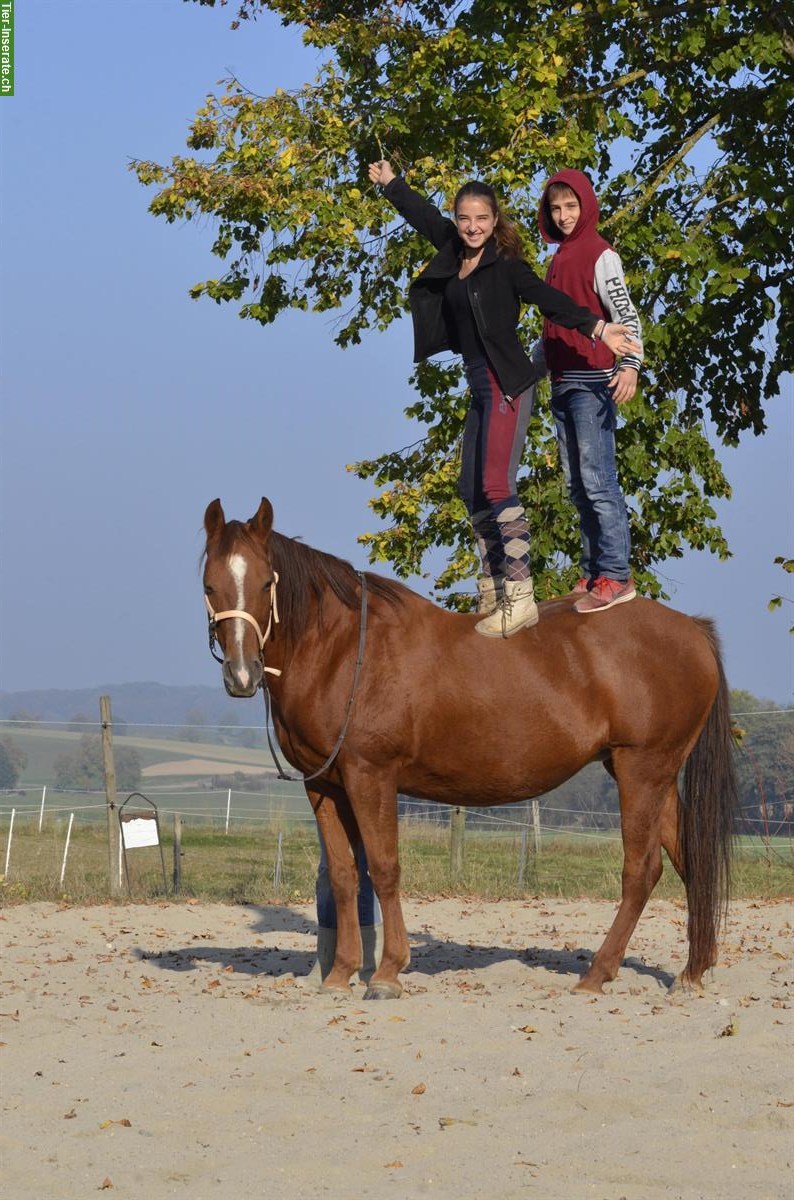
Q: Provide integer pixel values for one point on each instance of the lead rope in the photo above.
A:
(362, 640)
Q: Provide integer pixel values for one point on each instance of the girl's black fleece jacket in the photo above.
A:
(496, 288)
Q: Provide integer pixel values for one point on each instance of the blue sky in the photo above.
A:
(127, 406)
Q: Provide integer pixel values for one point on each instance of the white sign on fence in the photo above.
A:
(140, 830)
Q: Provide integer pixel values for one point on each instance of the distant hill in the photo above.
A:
(137, 703)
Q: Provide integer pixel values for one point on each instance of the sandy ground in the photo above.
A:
(175, 1050)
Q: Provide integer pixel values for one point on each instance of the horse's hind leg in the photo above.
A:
(688, 980)
(669, 832)
(340, 835)
(644, 789)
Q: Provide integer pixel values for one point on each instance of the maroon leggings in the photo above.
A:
(493, 442)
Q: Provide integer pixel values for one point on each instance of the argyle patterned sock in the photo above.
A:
(488, 537)
(514, 530)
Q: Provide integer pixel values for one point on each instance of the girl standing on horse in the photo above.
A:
(468, 300)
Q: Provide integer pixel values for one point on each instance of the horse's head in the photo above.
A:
(239, 593)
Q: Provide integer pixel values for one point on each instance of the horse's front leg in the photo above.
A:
(339, 833)
(374, 801)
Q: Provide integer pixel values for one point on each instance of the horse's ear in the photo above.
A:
(262, 520)
(214, 520)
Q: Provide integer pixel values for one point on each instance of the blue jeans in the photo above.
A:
(368, 907)
(585, 420)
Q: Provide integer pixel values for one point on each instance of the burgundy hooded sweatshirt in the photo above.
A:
(589, 270)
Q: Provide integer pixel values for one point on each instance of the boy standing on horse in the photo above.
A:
(588, 384)
(468, 300)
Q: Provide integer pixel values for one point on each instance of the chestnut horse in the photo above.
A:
(430, 709)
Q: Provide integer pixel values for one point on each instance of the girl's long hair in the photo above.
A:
(508, 239)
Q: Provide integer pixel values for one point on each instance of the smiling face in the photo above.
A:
(564, 208)
(475, 220)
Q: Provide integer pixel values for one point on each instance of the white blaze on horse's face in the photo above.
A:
(237, 568)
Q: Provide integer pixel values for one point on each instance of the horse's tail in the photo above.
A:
(707, 812)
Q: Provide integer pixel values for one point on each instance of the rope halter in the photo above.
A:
(272, 619)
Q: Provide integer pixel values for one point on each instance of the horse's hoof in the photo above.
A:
(338, 989)
(683, 983)
(383, 991)
(587, 987)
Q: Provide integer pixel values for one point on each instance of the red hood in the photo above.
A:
(578, 182)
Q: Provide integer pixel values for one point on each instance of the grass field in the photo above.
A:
(44, 745)
(241, 866)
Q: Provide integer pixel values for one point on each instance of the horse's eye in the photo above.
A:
(207, 590)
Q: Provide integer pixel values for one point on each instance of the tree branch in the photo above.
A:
(664, 171)
(713, 211)
(613, 85)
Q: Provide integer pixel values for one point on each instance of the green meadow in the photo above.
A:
(44, 745)
(269, 850)
(268, 864)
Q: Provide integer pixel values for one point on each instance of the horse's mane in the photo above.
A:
(304, 574)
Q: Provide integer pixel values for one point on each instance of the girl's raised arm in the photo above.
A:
(381, 172)
(418, 212)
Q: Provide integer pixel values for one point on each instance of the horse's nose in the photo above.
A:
(242, 679)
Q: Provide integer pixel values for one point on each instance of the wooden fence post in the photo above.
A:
(114, 841)
(457, 827)
(177, 854)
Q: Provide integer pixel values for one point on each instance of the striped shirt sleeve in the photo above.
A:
(610, 284)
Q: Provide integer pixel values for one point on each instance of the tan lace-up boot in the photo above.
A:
(516, 610)
(490, 589)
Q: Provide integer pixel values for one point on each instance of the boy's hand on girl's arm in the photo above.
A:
(380, 172)
(619, 339)
(624, 384)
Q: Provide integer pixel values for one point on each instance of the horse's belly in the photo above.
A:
(510, 738)
(490, 770)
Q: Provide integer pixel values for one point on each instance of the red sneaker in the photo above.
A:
(581, 586)
(606, 593)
